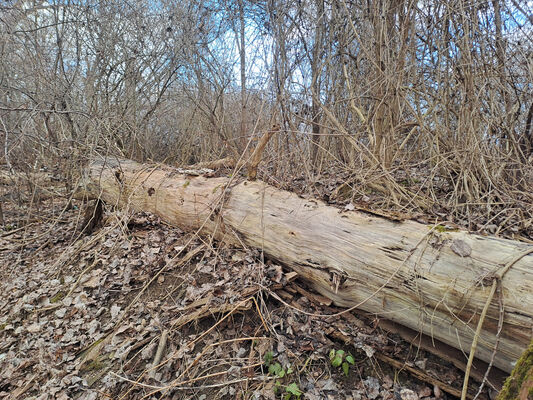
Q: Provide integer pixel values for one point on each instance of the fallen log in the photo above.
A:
(430, 280)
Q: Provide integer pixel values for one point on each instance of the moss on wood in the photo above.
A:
(520, 384)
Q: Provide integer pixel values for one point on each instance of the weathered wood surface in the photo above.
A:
(431, 281)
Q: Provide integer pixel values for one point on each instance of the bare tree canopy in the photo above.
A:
(356, 86)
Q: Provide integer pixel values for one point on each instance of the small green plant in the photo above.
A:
(339, 358)
(58, 297)
(276, 369)
(292, 391)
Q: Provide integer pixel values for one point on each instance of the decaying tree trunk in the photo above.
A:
(430, 280)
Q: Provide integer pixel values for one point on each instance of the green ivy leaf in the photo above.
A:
(275, 369)
(337, 361)
(332, 354)
(340, 353)
(269, 356)
(345, 368)
(350, 359)
(293, 389)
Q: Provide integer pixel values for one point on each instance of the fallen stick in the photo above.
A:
(159, 353)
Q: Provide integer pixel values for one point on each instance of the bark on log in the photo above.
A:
(431, 281)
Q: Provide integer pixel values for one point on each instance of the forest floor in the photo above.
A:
(141, 310)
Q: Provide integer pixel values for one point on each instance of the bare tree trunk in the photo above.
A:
(315, 85)
(391, 23)
(242, 54)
